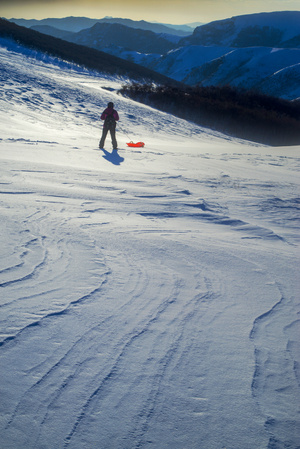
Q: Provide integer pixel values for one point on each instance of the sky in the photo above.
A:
(166, 11)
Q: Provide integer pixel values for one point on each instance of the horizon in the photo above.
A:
(140, 20)
(173, 12)
(105, 17)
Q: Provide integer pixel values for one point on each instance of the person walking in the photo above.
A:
(110, 117)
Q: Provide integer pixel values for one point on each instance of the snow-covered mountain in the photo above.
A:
(275, 29)
(180, 62)
(267, 59)
(82, 55)
(250, 68)
(272, 71)
(149, 297)
(257, 51)
(283, 83)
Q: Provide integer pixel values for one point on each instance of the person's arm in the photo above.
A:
(104, 115)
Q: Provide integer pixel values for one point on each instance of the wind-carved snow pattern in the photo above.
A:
(277, 378)
(149, 303)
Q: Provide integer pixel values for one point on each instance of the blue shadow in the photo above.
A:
(113, 157)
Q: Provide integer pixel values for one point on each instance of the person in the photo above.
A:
(110, 117)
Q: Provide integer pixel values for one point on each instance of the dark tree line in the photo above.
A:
(244, 114)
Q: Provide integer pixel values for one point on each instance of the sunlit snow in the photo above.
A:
(149, 297)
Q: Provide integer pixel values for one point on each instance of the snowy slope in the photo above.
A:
(149, 298)
(244, 51)
(273, 71)
(273, 29)
(286, 81)
(180, 63)
(249, 68)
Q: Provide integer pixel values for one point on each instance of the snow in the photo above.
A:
(149, 297)
(250, 68)
(277, 82)
(180, 62)
(285, 23)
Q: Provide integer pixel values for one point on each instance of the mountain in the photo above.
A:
(79, 54)
(220, 54)
(104, 35)
(248, 68)
(187, 28)
(52, 31)
(149, 26)
(75, 24)
(284, 83)
(72, 24)
(241, 51)
(194, 25)
(180, 62)
(276, 29)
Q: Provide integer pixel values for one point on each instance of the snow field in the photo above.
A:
(149, 296)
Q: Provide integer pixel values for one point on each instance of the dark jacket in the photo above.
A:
(110, 111)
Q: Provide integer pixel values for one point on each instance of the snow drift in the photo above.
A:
(148, 296)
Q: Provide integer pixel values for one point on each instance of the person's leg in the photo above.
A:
(104, 134)
(113, 137)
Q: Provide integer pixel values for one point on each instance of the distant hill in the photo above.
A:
(81, 55)
(104, 35)
(268, 69)
(75, 24)
(181, 62)
(72, 24)
(244, 67)
(187, 28)
(158, 28)
(52, 31)
(277, 29)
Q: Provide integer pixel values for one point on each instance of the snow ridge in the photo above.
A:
(150, 303)
(274, 373)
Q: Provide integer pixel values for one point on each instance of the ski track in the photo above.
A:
(150, 306)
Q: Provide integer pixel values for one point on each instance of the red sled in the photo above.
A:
(138, 144)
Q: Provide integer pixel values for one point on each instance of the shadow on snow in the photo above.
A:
(113, 157)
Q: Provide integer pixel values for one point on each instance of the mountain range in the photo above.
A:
(276, 29)
(75, 24)
(39, 45)
(257, 51)
(112, 35)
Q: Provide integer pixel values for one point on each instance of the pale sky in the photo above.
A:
(167, 11)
